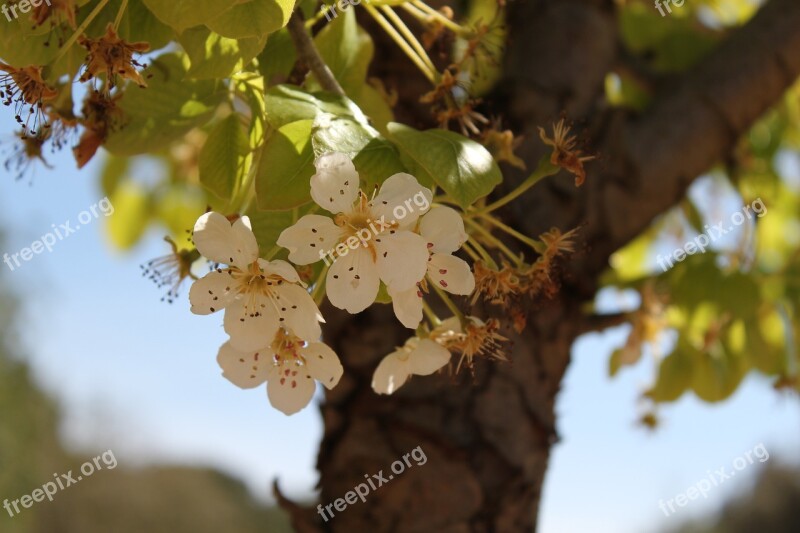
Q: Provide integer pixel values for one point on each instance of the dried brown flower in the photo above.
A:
(565, 152)
(112, 56)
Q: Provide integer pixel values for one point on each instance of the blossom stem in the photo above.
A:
(121, 12)
(319, 288)
(404, 46)
(82, 28)
(545, 168)
(435, 321)
(429, 11)
(509, 230)
(449, 303)
(468, 248)
(486, 234)
(484, 254)
(409, 35)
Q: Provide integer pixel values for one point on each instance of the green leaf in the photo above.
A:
(278, 57)
(286, 103)
(114, 170)
(376, 162)
(348, 50)
(674, 375)
(178, 207)
(137, 24)
(463, 168)
(215, 56)
(374, 157)
(286, 167)
(340, 134)
(254, 18)
(168, 108)
(183, 14)
(222, 156)
(140, 24)
(131, 215)
(716, 376)
(268, 225)
(383, 295)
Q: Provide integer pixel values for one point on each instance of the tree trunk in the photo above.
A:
(487, 437)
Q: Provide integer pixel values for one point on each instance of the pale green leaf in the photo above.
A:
(286, 167)
(222, 156)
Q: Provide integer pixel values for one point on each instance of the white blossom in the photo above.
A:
(369, 241)
(258, 296)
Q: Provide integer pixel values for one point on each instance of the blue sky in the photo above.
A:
(139, 376)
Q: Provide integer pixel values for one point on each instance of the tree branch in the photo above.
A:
(646, 161)
(308, 53)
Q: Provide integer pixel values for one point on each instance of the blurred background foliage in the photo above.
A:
(161, 499)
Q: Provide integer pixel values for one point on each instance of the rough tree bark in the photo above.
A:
(488, 438)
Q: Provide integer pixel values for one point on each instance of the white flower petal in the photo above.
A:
(428, 357)
(310, 239)
(220, 242)
(407, 306)
(443, 227)
(245, 244)
(451, 274)
(352, 283)
(212, 237)
(335, 185)
(297, 311)
(290, 388)
(402, 200)
(279, 268)
(250, 330)
(245, 370)
(322, 363)
(402, 259)
(211, 293)
(390, 374)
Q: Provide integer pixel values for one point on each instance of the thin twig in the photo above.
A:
(308, 53)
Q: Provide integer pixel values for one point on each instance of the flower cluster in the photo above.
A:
(398, 240)
(271, 318)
